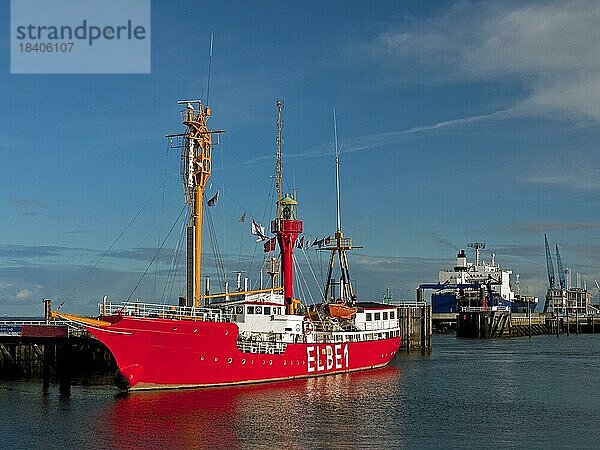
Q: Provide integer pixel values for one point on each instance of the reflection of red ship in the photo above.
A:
(246, 336)
(281, 415)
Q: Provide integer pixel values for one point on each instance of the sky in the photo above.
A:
(458, 122)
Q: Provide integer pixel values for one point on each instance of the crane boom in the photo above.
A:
(549, 264)
(561, 272)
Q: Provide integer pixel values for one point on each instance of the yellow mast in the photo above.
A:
(197, 157)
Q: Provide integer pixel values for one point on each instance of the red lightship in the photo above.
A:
(247, 336)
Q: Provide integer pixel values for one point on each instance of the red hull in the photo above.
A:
(163, 353)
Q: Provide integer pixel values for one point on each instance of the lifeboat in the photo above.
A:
(341, 310)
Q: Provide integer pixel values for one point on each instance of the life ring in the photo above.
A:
(307, 325)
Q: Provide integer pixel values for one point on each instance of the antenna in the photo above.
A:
(477, 246)
(209, 67)
(337, 171)
(279, 108)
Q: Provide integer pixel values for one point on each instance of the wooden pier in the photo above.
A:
(51, 352)
(486, 323)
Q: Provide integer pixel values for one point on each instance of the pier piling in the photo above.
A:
(415, 326)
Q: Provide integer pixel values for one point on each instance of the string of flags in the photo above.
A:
(270, 243)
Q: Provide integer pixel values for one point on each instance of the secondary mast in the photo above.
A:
(342, 244)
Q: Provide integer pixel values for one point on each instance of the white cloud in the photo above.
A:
(24, 293)
(551, 48)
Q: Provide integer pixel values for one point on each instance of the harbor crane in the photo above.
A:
(561, 272)
(549, 264)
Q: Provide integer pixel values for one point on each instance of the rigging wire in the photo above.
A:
(156, 254)
(268, 203)
(162, 211)
(312, 272)
(90, 269)
(170, 279)
(219, 266)
(303, 279)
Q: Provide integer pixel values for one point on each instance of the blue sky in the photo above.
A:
(459, 122)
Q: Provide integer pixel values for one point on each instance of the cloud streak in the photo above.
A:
(377, 141)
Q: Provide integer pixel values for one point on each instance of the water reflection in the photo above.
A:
(317, 412)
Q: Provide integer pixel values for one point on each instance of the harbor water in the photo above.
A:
(536, 392)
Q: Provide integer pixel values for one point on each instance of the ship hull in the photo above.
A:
(162, 354)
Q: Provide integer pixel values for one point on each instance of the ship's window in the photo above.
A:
(369, 317)
(258, 310)
(385, 316)
(392, 315)
(250, 309)
(377, 316)
(267, 310)
(239, 310)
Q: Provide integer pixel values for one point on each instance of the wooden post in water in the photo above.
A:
(576, 319)
(64, 368)
(567, 314)
(424, 329)
(529, 317)
(46, 367)
(408, 330)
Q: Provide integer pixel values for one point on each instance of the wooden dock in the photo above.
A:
(51, 352)
(485, 323)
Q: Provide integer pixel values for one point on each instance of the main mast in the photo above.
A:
(196, 161)
(287, 228)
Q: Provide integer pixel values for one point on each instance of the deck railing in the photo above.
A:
(138, 309)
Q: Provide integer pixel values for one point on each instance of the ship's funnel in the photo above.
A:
(461, 261)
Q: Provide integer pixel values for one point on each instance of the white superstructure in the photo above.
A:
(479, 272)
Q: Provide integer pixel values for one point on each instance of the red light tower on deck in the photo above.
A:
(287, 228)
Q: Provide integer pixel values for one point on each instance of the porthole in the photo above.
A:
(216, 359)
(226, 332)
(243, 361)
(270, 362)
(174, 328)
(195, 329)
(202, 358)
(229, 361)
